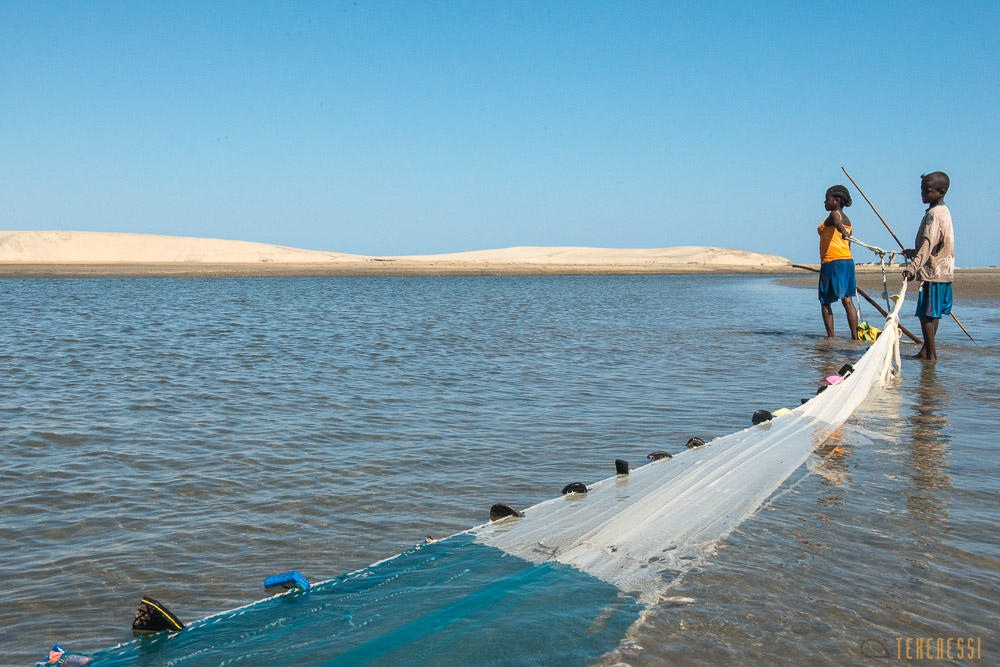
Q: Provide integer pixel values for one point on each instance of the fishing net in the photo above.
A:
(621, 542)
(639, 531)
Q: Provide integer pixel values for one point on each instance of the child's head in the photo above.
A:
(837, 197)
(934, 186)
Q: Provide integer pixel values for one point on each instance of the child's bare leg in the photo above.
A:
(828, 319)
(852, 316)
(928, 327)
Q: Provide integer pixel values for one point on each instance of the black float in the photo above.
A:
(503, 510)
(153, 616)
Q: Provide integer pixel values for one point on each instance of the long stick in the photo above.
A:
(963, 329)
(901, 246)
(872, 301)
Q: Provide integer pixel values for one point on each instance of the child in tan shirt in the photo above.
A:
(933, 260)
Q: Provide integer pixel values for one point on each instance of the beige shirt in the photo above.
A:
(935, 244)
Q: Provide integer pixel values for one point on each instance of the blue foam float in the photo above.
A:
(287, 581)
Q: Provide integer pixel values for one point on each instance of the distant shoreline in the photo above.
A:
(969, 283)
(972, 283)
(387, 268)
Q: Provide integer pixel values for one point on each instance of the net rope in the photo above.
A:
(884, 257)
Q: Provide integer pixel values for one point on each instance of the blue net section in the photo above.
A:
(450, 602)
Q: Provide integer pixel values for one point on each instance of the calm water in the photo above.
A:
(185, 439)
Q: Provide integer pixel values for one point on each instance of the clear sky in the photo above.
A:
(392, 128)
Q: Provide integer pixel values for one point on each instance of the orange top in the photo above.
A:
(831, 244)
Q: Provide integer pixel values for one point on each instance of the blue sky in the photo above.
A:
(390, 128)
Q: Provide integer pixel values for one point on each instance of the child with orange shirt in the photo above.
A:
(836, 275)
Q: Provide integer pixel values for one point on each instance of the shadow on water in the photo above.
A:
(787, 334)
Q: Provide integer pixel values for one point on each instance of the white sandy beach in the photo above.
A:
(68, 247)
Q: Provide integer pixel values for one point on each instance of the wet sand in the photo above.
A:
(969, 283)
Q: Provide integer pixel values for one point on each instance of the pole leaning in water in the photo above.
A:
(901, 246)
(873, 302)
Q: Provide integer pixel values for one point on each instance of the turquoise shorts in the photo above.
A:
(934, 300)
(836, 280)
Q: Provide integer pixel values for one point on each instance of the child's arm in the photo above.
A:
(837, 220)
(921, 254)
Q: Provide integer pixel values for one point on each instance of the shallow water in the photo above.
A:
(186, 438)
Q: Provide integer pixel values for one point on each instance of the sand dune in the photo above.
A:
(101, 247)
(576, 256)
(98, 247)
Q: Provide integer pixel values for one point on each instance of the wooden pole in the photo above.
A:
(873, 302)
(964, 329)
(901, 247)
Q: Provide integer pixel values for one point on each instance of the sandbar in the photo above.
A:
(346, 269)
(101, 255)
(72, 254)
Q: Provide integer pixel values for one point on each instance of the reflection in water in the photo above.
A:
(833, 469)
(929, 448)
(827, 357)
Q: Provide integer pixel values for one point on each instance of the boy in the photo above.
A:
(836, 275)
(933, 260)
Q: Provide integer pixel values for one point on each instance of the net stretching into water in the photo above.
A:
(638, 532)
(612, 551)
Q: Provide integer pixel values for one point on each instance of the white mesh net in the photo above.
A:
(637, 532)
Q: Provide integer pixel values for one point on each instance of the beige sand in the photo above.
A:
(101, 247)
(591, 256)
(96, 254)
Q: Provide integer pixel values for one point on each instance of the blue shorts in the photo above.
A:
(836, 280)
(934, 300)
